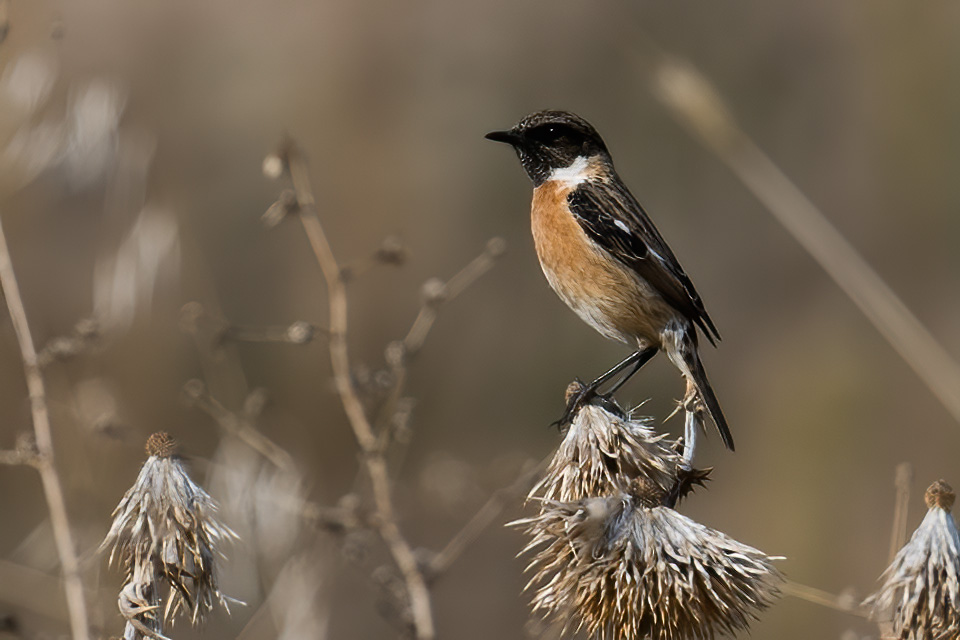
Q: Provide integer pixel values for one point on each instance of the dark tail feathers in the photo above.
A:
(710, 399)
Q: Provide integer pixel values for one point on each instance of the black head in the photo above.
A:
(548, 140)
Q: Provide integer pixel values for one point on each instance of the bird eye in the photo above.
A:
(550, 134)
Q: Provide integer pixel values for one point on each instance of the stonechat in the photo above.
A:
(602, 255)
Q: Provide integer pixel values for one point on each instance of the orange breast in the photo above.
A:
(603, 292)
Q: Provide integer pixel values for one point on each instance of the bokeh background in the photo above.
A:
(132, 136)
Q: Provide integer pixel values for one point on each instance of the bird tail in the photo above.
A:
(709, 398)
(683, 353)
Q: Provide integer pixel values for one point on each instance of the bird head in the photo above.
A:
(549, 140)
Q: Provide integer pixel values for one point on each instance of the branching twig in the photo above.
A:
(373, 458)
(296, 333)
(436, 292)
(482, 519)
(691, 99)
(237, 425)
(85, 336)
(17, 457)
(52, 488)
(14, 458)
(390, 252)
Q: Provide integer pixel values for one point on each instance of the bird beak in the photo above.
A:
(509, 137)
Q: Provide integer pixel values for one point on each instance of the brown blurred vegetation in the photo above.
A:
(856, 101)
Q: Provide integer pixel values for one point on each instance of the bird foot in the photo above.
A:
(691, 403)
(579, 395)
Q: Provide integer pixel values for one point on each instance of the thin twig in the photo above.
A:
(297, 333)
(238, 425)
(222, 367)
(903, 477)
(220, 361)
(15, 458)
(373, 458)
(437, 292)
(824, 598)
(53, 490)
(483, 518)
(390, 252)
(694, 102)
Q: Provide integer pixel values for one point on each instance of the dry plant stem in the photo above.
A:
(52, 489)
(373, 457)
(415, 338)
(902, 479)
(823, 598)
(238, 333)
(17, 458)
(417, 335)
(224, 374)
(220, 361)
(484, 518)
(240, 426)
(693, 101)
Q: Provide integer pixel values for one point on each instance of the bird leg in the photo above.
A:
(693, 423)
(582, 396)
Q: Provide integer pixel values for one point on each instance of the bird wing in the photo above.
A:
(610, 216)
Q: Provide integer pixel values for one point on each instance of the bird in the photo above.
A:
(603, 256)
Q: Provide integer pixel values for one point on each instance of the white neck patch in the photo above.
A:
(572, 175)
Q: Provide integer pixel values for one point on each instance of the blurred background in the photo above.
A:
(131, 142)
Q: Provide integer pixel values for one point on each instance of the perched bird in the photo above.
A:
(606, 260)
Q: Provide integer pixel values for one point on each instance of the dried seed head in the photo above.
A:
(194, 389)
(433, 291)
(161, 445)
(391, 251)
(26, 446)
(623, 570)
(603, 454)
(300, 332)
(273, 166)
(395, 353)
(167, 539)
(496, 247)
(647, 492)
(940, 495)
(920, 590)
(573, 389)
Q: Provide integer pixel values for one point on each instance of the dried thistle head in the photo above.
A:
(166, 536)
(920, 594)
(602, 453)
(624, 567)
